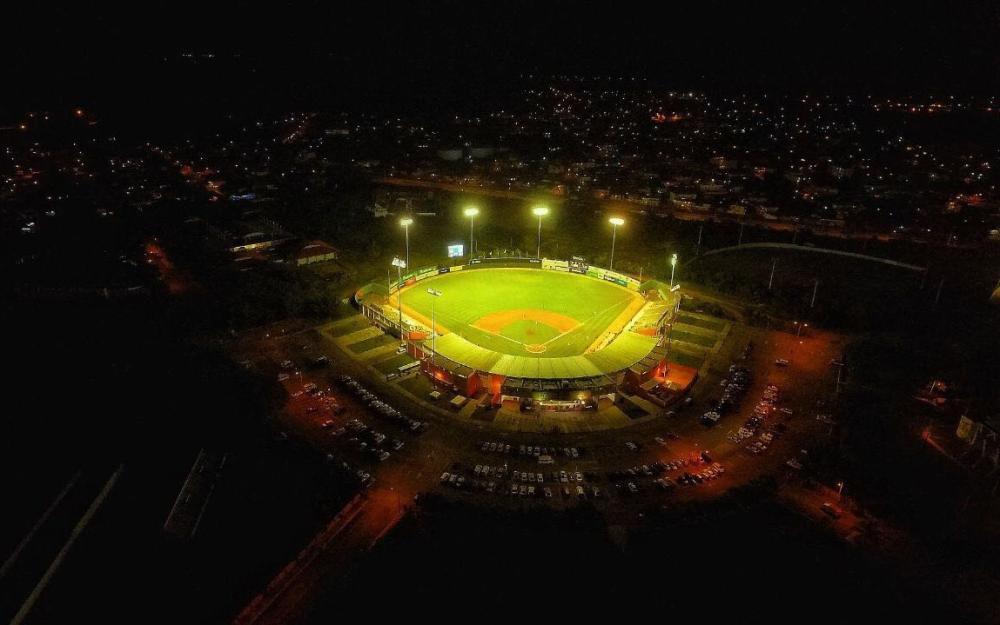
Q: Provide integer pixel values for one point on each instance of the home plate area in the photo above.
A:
(530, 327)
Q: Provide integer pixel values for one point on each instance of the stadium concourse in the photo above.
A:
(556, 335)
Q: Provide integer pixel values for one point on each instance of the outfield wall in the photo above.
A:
(548, 264)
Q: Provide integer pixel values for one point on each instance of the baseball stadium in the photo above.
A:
(560, 333)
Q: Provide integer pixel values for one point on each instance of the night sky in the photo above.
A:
(331, 53)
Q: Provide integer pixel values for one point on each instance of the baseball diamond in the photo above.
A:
(506, 310)
(528, 322)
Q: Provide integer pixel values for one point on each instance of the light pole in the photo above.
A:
(673, 267)
(399, 265)
(436, 295)
(540, 211)
(471, 213)
(406, 222)
(615, 222)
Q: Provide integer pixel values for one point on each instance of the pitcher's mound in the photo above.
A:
(535, 348)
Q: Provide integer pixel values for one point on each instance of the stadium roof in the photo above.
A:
(627, 349)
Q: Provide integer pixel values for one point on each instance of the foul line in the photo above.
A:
(595, 315)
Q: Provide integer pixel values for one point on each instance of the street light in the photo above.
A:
(406, 222)
(615, 222)
(471, 213)
(540, 211)
(399, 265)
(673, 267)
(436, 295)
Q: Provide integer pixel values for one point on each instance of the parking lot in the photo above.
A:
(746, 417)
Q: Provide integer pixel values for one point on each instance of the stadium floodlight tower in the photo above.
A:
(540, 211)
(673, 266)
(406, 222)
(615, 222)
(436, 295)
(400, 265)
(471, 212)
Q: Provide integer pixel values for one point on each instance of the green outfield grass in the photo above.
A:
(468, 296)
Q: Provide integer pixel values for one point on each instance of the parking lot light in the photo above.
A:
(436, 295)
(399, 265)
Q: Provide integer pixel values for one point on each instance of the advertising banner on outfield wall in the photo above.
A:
(426, 272)
(555, 265)
(613, 276)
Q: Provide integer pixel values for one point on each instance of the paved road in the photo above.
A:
(321, 564)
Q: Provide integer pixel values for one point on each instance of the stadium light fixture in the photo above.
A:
(406, 222)
(540, 211)
(673, 267)
(436, 295)
(400, 265)
(615, 222)
(471, 212)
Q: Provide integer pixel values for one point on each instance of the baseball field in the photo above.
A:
(523, 312)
